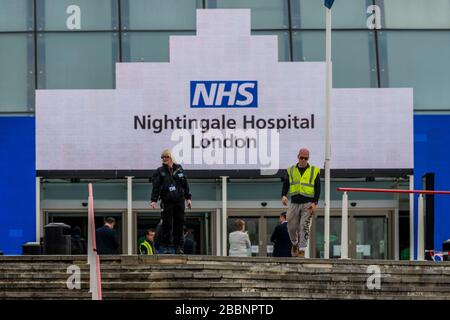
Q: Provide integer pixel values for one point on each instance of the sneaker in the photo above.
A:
(301, 254)
(179, 251)
(294, 250)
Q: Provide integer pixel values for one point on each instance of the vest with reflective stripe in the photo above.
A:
(302, 184)
(147, 246)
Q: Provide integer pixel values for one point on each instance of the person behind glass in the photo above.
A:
(240, 245)
(171, 186)
(280, 238)
(78, 244)
(189, 241)
(106, 238)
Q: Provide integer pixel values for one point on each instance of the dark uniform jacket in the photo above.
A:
(280, 237)
(170, 184)
(107, 241)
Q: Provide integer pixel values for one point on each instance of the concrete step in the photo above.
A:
(206, 277)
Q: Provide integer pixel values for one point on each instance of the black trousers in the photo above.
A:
(172, 215)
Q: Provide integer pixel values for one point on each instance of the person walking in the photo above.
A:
(280, 238)
(170, 185)
(302, 182)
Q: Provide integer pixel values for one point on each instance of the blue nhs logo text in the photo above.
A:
(224, 94)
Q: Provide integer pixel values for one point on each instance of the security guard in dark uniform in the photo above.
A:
(170, 184)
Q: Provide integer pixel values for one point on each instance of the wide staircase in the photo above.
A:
(211, 277)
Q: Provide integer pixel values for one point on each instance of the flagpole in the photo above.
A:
(329, 78)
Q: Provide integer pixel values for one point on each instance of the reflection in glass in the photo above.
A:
(335, 237)
(353, 55)
(371, 238)
(77, 60)
(148, 46)
(416, 14)
(157, 14)
(68, 15)
(265, 14)
(17, 72)
(424, 67)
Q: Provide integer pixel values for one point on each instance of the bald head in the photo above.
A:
(303, 157)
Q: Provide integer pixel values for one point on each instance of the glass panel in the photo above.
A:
(254, 191)
(424, 67)
(252, 228)
(159, 14)
(77, 60)
(271, 223)
(17, 72)
(148, 46)
(200, 190)
(310, 14)
(265, 14)
(79, 191)
(353, 55)
(76, 15)
(416, 13)
(371, 238)
(16, 15)
(335, 237)
(283, 43)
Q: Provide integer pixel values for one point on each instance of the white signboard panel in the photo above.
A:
(224, 101)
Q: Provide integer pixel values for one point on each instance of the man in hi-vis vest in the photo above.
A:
(302, 182)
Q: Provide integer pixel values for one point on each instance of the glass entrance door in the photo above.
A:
(335, 237)
(368, 238)
(371, 237)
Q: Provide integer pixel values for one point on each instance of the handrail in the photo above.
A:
(420, 224)
(392, 190)
(95, 282)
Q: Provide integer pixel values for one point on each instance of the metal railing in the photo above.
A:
(420, 223)
(95, 280)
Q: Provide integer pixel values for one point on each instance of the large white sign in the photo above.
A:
(224, 101)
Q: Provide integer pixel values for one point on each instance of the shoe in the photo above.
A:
(301, 254)
(294, 250)
(165, 250)
(179, 251)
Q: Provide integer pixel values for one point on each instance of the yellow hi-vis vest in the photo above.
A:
(302, 184)
(147, 246)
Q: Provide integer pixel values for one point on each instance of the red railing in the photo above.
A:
(420, 224)
(392, 190)
(93, 257)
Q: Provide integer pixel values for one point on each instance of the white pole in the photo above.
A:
(328, 135)
(420, 230)
(344, 229)
(218, 220)
(411, 219)
(224, 215)
(396, 235)
(129, 215)
(38, 209)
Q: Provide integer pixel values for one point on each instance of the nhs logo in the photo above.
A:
(224, 94)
